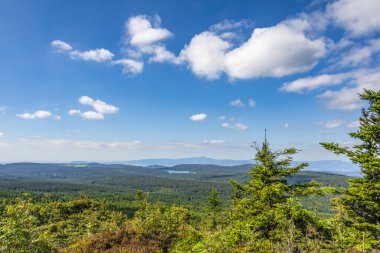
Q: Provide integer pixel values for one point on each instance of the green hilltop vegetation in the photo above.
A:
(271, 206)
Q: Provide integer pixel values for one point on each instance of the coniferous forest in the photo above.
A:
(275, 207)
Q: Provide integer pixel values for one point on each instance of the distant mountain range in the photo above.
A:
(329, 166)
(190, 160)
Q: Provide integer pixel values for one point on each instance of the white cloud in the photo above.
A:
(130, 66)
(205, 55)
(275, 52)
(92, 115)
(100, 108)
(251, 102)
(343, 98)
(214, 141)
(98, 55)
(240, 126)
(227, 25)
(161, 54)
(347, 98)
(332, 123)
(358, 17)
(79, 143)
(315, 82)
(237, 102)
(141, 31)
(286, 125)
(222, 117)
(37, 115)
(198, 117)
(98, 105)
(354, 124)
(61, 45)
(1, 134)
(237, 125)
(144, 36)
(360, 55)
(74, 112)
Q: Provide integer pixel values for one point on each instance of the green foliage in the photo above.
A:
(214, 207)
(30, 227)
(361, 201)
(20, 229)
(267, 215)
(155, 228)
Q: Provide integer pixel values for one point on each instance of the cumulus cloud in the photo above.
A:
(205, 55)
(237, 102)
(92, 115)
(141, 31)
(198, 117)
(73, 112)
(144, 36)
(275, 52)
(130, 66)
(98, 55)
(357, 17)
(100, 108)
(1, 134)
(61, 45)
(41, 114)
(98, 105)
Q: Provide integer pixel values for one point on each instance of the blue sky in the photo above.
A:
(121, 80)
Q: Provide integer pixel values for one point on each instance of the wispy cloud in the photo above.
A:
(237, 125)
(354, 124)
(331, 123)
(41, 114)
(218, 141)
(358, 18)
(237, 102)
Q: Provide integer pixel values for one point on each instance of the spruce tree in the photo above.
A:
(214, 206)
(267, 213)
(361, 200)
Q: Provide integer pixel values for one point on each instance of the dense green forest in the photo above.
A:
(271, 206)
